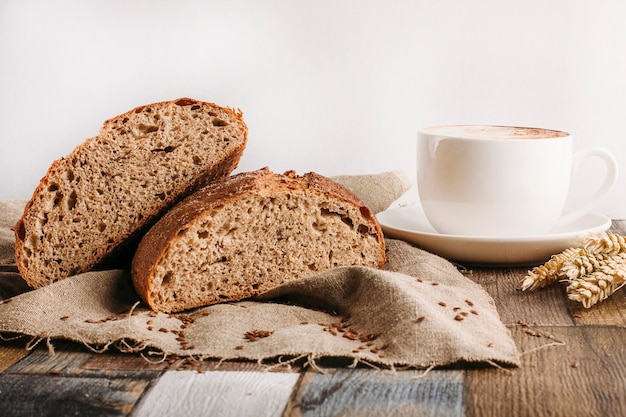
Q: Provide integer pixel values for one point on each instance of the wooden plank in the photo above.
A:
(219, 393)
(368, 392)
(618, 226)
(540, 307)
(72, 359)
(610, 312)
(67, 358)
(39, 395)
(11, 283)
(11, 352)
(576, 371)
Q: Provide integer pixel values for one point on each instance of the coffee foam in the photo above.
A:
(494, 132)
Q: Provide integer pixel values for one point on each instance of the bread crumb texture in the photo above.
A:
(114, 184)
(256, 231)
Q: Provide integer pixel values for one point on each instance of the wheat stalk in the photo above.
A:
(592, 272)
(550, 272)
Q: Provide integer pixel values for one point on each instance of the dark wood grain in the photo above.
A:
(65, 359)
(541, 307)
(610, 312)
(566, 371)
(11, 352)
(54, 395)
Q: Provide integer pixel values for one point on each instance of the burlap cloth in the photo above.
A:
(420, 311)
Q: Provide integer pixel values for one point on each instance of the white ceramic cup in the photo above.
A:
(500, 180)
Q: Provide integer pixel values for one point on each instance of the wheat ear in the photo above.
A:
(606, 242)
(550, 272)
(592, 288)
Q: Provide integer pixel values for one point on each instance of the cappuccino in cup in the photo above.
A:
(501, 180)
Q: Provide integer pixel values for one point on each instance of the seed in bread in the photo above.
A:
(113, 186)
(248, 233)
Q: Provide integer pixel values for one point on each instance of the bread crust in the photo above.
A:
(158, 240)
(127, 241)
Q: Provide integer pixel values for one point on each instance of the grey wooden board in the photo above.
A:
(367, 392)
(218, 393)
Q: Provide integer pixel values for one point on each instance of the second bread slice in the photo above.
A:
(249, 233)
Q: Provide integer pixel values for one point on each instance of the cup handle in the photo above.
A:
(609, 182)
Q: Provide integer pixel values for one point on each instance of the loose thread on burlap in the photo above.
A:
(102, 349)
(220, 362)
(547, 345)
(499, 367)
(10, 338)
(312, 362)
(354, 364)
(129, 322)
(163, 354)
(286, 363)
(423, 374)
(130, 314)
(533, 332)
(357, 361)
(35, 340)
(50, 346)
(124, 345)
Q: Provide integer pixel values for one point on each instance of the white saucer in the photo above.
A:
(410, 224)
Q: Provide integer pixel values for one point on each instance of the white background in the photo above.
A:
(333, 86)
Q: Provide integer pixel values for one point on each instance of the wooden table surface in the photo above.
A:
(573, 364)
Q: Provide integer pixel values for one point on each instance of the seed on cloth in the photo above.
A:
(350, 335)
(254, 335)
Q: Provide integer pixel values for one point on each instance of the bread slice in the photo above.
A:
(114, 185)
(248, 233)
